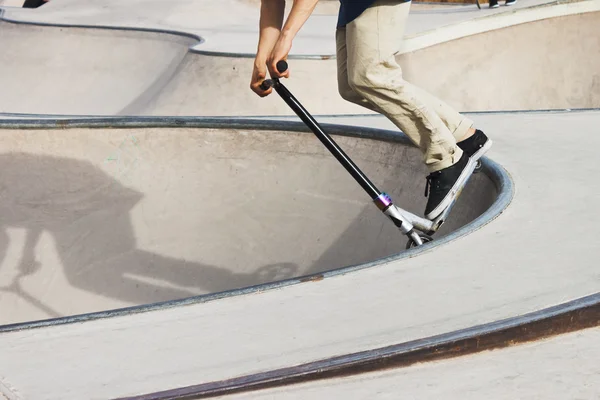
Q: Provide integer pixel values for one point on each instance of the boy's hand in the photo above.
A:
(259, 74)
(280, 52)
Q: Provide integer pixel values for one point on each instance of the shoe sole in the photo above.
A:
(460, 182)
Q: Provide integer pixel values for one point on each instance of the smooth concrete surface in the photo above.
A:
(101, 219)
(558, 66)
(564, 367)
(231, 26)
(225, 89)
(51, 70)
(11, 3)
(531, 257)
(141, 73)
(104, 72)
(475, 73)
(470, 80)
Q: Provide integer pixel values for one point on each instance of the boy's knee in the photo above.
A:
(345, 91)
(348, 94)
(361, 80)
(374, 76)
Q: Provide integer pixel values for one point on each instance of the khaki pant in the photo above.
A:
(369, 75)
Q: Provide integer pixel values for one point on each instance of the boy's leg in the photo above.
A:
(457, 124)
(344, 88)
(372, 41)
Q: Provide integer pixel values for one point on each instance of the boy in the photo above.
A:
(368, 36)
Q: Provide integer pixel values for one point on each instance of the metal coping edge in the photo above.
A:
(83, 117)
(497, 174)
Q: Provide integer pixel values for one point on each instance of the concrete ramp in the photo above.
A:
(52, 70)
(77, 71)
(95, 219)
(475, 73)
(552, 63)
(216, 84)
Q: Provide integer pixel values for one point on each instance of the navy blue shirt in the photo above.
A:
(351, 9)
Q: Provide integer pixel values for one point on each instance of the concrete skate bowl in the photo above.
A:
(138, 213)
(558, 65)
(119, 72)
(69, 70)
(55, 70)
(557, 69)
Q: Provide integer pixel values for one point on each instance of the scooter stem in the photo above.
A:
(381, 200)
(331, 145)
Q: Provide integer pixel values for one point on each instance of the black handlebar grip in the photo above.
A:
(266, 85)
(282, 66)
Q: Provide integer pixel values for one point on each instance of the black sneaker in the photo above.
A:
(494, 4)
(442, 186)
(510, 2)
(476, 146)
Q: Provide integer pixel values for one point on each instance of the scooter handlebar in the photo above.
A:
(282, 66)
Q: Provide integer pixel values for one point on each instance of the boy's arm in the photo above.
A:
(301, 11)
(275, 42)
(271, 20)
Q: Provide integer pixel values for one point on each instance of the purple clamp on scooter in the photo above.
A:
(418, 229)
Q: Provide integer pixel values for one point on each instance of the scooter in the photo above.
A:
(418, 230)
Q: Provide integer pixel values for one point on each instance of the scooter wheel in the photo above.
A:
(424, 238)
